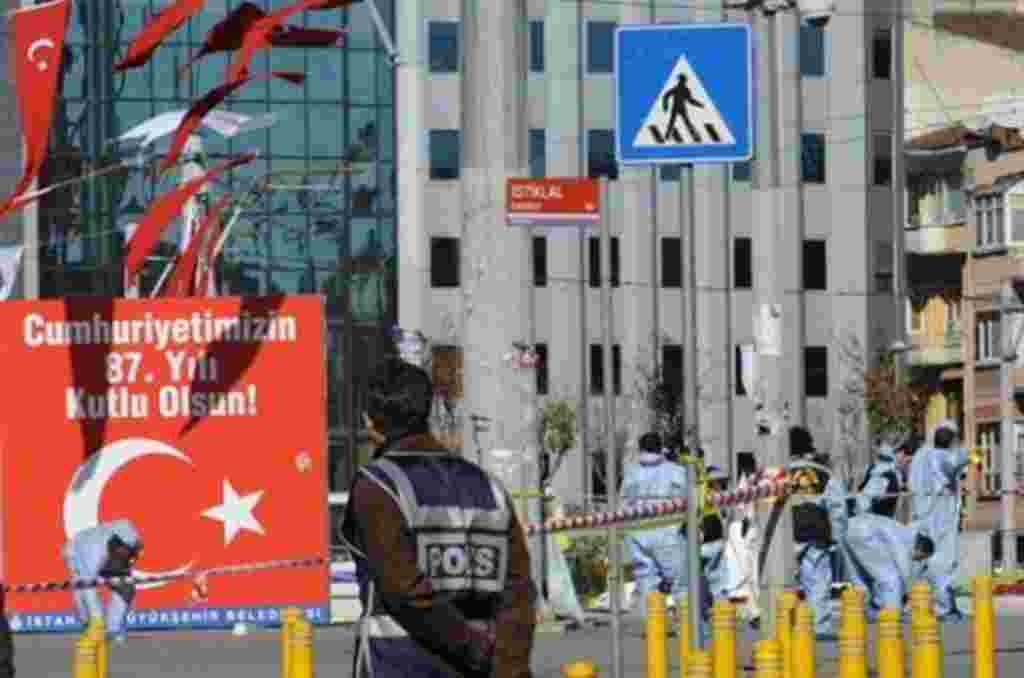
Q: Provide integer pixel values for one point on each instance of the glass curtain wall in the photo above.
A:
(324, 221)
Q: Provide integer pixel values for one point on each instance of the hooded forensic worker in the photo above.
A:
(935, 506)
(658, 554)
(888, 557)
(106, 550)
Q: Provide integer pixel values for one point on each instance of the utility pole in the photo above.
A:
(1008, 355)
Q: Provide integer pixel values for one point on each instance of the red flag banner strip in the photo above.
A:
(163, 209)
(182, 281)
(211, 100)
(158, 29)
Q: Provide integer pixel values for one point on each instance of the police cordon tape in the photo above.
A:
(668, 509)
(198, 577)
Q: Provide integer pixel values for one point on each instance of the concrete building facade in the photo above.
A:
(836, 257)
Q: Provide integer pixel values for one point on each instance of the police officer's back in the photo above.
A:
(442, 563)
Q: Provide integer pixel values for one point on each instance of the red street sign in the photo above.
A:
(561, 201)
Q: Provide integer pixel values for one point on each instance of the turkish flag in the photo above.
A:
(36, 52)
(209, 101)
(182, 281)
(206, 282)
(163, 209)
(168, 20)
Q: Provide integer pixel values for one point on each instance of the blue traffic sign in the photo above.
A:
(684, 93)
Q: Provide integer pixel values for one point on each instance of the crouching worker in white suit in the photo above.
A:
(888, 556)
(107, 550)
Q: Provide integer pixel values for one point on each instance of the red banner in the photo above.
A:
(213, 443)
(36, 52)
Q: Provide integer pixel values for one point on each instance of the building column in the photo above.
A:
(411, 168)
(567, 272)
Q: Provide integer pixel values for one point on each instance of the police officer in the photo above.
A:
(441, 559)
(106, 550)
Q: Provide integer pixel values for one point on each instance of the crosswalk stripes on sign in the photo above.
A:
(683, 113)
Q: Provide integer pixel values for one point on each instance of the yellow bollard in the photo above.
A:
(984, 629)
(579, 669)
(97, 632)
(853, 648)
(803, 642)
(723, 638)
(768, 659)
(683, 629)
(289, 616)
(920, 607)
(890, 644)
(85, 658)
(700, 665)
(784, 634)
(928, 648)
(302, 650)
(657, 635)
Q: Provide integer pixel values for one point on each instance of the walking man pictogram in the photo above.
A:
(681, 97)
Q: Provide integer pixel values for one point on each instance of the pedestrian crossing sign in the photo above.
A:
(684, 93)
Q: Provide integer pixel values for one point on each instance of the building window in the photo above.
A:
(536, 46)
(815, 265)
(601, 154)
(446, 370)
(883, 266)
(742, 263)
(883, 159)
(1016, 218)
(881, 48)
(538, 153)
(986, 337)
(597, 369)
(595, 262)
(540, 261)
(741, 390)
(542, 369)
(741, 171)
(813, 157)
(812, 51)
(988, 220)
(816, 371)
(672, 368)
(444, 262)
(443, 44)
(445, 154)
(671, 262)
(669, 172)
(600, 46)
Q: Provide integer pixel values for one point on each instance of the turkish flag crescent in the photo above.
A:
(182, 282)
(163, 209)
(36, 52)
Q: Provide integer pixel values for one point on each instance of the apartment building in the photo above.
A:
(838, 261)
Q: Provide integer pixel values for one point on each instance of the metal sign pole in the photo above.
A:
(611, 456)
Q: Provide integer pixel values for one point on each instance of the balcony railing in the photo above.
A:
(936, 239)
(933, 351)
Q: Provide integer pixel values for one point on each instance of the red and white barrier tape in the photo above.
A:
(199, 577)
(661, 509)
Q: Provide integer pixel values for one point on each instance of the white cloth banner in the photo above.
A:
(225, 123)
(10, 262)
